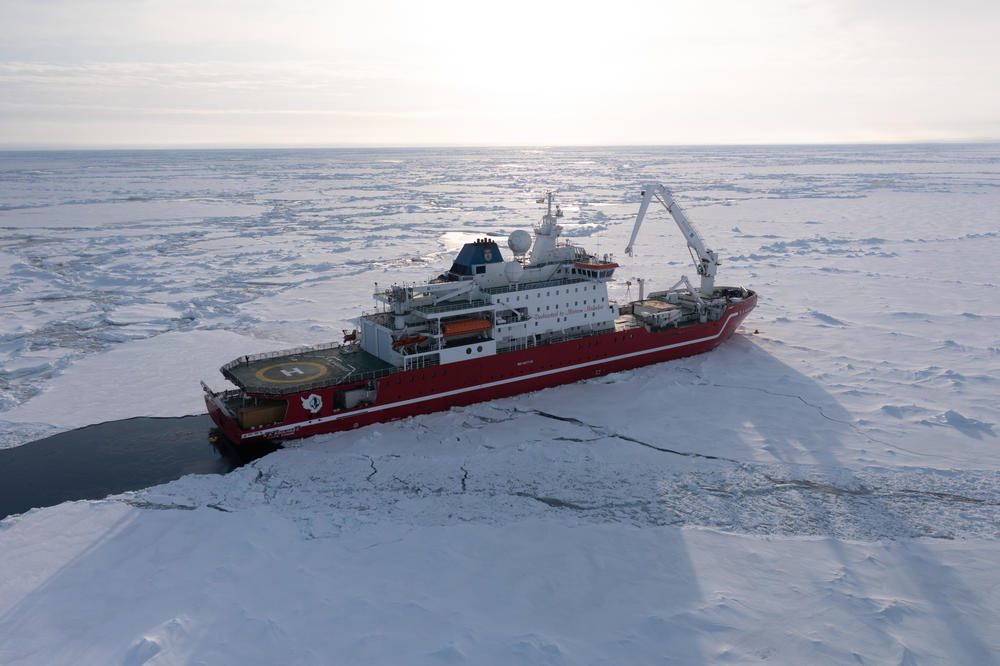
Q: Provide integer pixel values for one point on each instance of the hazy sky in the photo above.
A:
(212, 72)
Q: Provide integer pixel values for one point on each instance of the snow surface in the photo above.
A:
(824, 491)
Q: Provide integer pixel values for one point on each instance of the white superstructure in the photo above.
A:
(484, 304)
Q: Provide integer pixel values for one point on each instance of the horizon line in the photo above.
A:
(47, 147)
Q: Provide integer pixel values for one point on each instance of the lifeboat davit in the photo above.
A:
(465, 327)
(408, 341)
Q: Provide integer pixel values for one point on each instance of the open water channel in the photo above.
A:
(108, 458)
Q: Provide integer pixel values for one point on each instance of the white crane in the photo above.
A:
(706, 262)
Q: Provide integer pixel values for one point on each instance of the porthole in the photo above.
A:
(479, 348)
(468, 350)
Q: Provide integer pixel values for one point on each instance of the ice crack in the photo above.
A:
(158, 506)
(602, 433)
(554, 502)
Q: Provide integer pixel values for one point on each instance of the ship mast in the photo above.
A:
(546, 233)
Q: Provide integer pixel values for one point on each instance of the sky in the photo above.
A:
(137, 73)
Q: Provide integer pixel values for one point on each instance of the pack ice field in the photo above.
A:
(824, 486)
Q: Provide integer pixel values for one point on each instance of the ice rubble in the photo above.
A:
(825, 491)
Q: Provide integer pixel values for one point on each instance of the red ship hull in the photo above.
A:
(438, 388)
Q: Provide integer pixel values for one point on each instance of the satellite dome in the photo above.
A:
(513, 270)
(519, 242)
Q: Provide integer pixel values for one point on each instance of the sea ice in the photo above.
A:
(822, 488)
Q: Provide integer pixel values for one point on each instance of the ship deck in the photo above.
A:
(307, 368)
(304, 369)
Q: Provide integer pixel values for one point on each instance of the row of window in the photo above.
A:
(591, 273)
(548, 293)
(577, 303)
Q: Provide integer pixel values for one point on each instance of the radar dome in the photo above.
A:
(519, 242)
(513, 271)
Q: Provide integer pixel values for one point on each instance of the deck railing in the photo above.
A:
(448, 307)
(251, 358)
(532, 285)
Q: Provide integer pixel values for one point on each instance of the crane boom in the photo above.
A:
(706, 262)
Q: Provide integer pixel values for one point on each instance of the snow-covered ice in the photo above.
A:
(824, 491)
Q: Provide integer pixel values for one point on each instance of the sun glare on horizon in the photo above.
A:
(222, 73)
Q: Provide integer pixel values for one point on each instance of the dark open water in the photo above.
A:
(108, 458)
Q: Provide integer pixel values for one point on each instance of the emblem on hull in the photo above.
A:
(313, 402)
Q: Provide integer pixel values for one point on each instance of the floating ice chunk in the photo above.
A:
(827, 319)
(965, 425)
(902, 411)
(141, 313)
(141, 652)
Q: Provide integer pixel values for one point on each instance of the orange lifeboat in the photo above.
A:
(465, 327)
